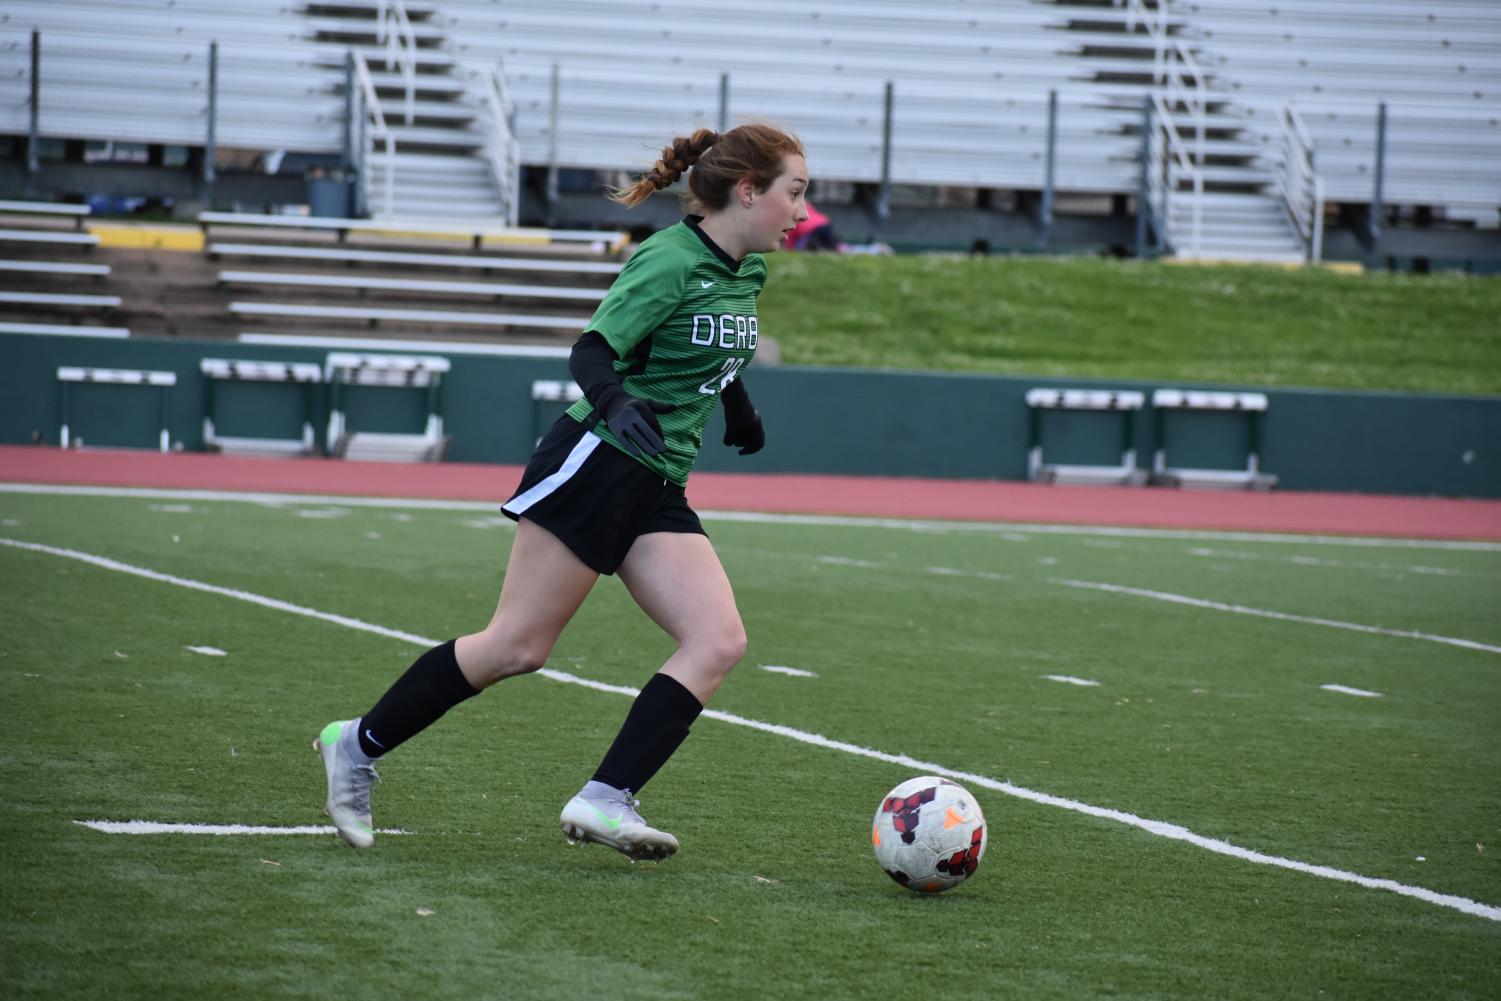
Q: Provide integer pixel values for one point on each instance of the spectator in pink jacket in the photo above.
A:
(814, 233)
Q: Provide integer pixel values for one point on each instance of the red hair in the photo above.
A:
(715, 162)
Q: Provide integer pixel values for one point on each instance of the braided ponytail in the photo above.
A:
(677, 157)
(758, 152)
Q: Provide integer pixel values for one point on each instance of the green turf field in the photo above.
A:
(926, 641)
(1080, 317)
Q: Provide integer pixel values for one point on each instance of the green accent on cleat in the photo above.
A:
(330, 734)
(606, 819)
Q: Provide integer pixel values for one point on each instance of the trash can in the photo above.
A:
(329, 195)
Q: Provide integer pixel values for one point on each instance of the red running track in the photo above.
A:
(875, 496)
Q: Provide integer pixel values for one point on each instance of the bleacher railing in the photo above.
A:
(1299, 184)
(367, 113)
(502, 151)
(1181, 89)
(394, 31)
(1169, 166)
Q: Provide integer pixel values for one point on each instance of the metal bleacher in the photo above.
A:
(37, 289)
(971, 86)
(137, 71)
(474, 82)
(1437, 66)
(365, 289)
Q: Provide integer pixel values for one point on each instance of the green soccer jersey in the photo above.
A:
(682, 320)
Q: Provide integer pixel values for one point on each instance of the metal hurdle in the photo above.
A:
(426, 372)
(1253, 405)
(545, 391)
(69, 375)
(216, 370)
(1126, 402)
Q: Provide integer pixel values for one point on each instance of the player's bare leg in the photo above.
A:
(677, 579)
(544, 586)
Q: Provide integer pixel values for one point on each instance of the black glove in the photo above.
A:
(746, 432)
(742, 422)
(633, 421)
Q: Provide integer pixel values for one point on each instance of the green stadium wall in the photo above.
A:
(818, 420)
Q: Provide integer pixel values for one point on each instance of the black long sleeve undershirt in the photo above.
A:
(592, 365)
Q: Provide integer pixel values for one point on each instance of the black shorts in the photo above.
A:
(596, 499)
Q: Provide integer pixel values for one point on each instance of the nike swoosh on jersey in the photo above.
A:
(704, 284)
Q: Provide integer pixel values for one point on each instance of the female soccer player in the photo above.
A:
(603, 492)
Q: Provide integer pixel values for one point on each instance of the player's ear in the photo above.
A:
(745, 190)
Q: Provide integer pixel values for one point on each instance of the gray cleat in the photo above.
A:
(349, 785)
(612, 821)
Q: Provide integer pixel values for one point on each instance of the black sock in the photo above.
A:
(657, 723)
(431, 686)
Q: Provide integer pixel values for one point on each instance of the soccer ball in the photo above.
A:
(929, 834)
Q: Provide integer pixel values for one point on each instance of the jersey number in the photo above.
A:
(726, 375)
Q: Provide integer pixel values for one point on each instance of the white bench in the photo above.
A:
(55, 268)
(46, 236)
(60, 299)
(409, 285)
(77, 212)
(352, 256)
(413, 227)
(375, 315)
(63, 330)
(352, 343)
(70, 375)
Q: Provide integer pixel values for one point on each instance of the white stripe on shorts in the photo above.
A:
(581, 451)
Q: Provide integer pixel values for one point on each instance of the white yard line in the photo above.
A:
(1310, 561)
(847, 561)
(1351, 691)
(1219, 606)
(1159, 828)
(153, 827)
(1011, 532)
(1069, 679)
(791, 672)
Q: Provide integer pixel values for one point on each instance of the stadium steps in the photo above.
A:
(434, 186)
(437, 172)
(1239, 219)
(1247, 227)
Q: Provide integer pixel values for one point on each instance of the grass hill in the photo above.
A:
(1096, 318)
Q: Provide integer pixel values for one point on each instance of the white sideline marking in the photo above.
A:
(1160, 828)
(1069, 679)
(487, 523)
(1283, 616)
(1351, 691)
(228, 592)
(209, 651)
(794, 672)
(1004, 530)
(315, 512)
(979, 574)
(153, 827)
(1310, 561)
